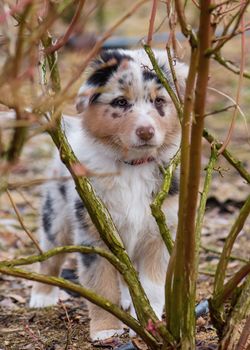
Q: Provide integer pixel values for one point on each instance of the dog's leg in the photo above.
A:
(55, 231)
(43, 295)
(152, 262)
(99, 275)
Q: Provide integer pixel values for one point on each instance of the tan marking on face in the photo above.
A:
(107, 128)
(169, 123)
(153, 92)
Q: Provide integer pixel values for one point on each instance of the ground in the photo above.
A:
(66, 325)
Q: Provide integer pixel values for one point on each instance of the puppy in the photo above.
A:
(128, 123)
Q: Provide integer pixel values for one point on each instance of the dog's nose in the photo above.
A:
(145, 133)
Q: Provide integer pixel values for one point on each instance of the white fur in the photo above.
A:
(39, 300)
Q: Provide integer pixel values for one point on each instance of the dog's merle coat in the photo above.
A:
(128, 127)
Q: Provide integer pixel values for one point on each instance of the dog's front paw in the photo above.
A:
(126, 301)
(105, 334)
(126, 304)
(39, 300)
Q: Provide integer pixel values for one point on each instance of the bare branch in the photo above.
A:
(20, 219)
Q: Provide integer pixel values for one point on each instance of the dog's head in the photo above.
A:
(125, 106)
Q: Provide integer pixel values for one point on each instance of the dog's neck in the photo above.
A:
(139, 161)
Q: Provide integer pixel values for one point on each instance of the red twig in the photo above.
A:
(15, 9)
(151, 23)
(62, 41)
(242, 65)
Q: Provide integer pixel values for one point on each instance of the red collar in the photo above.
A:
(139, 161)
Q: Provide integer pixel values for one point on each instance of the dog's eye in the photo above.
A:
(159, 101)
(119, 102)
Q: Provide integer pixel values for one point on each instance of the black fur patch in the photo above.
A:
(62, 190)
(174, 187)
(103, 74)
(79, 212)
(88, 259)
(115, 115)
(47, 217)
(94, 98)
(150, 75)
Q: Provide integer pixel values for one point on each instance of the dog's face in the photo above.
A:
(125, 105)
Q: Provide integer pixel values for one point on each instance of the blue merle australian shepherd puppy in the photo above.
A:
(127, 122)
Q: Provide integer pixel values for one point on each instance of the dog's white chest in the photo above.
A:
(128, 197)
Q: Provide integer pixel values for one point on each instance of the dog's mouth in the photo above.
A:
(144, 146)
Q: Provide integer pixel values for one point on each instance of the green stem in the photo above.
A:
(221, 292)
(240, 311)
(226, 252)
(174, 278)
(156, 205)
(66, 249)
(218, 252)
(230, 66)
(163, 80)
(229, 287)
(203, 200)
(228, 155)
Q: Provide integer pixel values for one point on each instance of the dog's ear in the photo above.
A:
(82, 99)
(87, 95)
